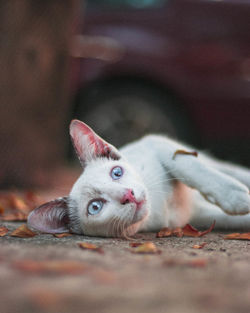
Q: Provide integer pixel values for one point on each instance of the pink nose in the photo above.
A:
(128, 197)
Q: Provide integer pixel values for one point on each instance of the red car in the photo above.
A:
(183, 68)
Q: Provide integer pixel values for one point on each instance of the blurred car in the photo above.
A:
(182, 67)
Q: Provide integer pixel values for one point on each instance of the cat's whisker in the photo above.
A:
(111, 225)
(160, 182)
(116, 227)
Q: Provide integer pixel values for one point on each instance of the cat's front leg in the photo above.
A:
(218, 188)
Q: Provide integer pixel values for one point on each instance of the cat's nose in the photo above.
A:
(128, 197)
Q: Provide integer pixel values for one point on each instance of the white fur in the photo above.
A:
(165, 182)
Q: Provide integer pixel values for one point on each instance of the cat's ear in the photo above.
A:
(89, 145)
(50, 217)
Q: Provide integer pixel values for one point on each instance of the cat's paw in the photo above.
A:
(236, 201)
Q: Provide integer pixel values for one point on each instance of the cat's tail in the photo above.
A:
(205, 213)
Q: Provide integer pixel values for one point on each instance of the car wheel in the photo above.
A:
(123, 113)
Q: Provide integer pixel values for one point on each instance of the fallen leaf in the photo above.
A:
(178, 232)
(194, 153)
(135, 244)
(16, 206)
(187, 230)
(90, 246)
(3, 231)
(197, 263)
(201, 246)
(23, 232)
(62, 235)
(19, 204)
(50, 267)
(238, 236)
(16, 216)
(190, 231)
(146, 248)
(164, 232)
(103, 276)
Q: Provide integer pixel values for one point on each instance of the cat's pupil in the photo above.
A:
(95, 207)
(116, 172)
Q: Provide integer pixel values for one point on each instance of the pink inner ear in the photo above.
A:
(51, 217)
(87, 142)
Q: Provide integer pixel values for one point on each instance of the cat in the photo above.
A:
(149, 184)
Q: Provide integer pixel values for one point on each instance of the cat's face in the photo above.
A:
(108, 199)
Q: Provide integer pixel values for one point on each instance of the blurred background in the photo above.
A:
(126, 68)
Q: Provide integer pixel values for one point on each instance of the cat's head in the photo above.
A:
(108, 199)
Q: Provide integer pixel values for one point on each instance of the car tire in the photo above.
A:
(123, 112)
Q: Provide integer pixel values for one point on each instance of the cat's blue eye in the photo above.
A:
(116, 172)
(95, 207)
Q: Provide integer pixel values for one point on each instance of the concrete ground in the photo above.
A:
(179, 280)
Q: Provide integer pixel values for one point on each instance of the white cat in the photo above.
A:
(147, 185)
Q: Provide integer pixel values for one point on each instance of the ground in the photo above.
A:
(180, 279)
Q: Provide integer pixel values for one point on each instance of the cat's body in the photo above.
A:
(147, 185)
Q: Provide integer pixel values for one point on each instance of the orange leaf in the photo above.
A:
(146, 248)
(135, 244)
(190, 231)
(19, 204)
(90, 246)
(190, 263)
(178, 232)
(62, 235)
(238, 236)
(16, 216)
(197, 263)
(3, 231)
(187, 230)
(201, 246)
(164, 232)
(194, 153)
(23, 232)
(50, 267)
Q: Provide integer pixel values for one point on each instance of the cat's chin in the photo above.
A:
(140, 214)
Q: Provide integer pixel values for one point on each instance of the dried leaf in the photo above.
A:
(190, 231)
(164, 232)
(90, 246)
(187, 230)
(135, 244)
(50, 267)
(201, 246)
(3, 231)
(238, 236)
(190, 263)
(197, 263)
(102, 276)
(19, 204)
(16, 207)
(178, 232)
(16, 216)
(146, 248)
(194, 153)
(23, 232)
(62, 235)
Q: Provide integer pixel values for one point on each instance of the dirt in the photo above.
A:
(180, 279)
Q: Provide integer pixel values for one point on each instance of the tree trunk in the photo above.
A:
(35, 38)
